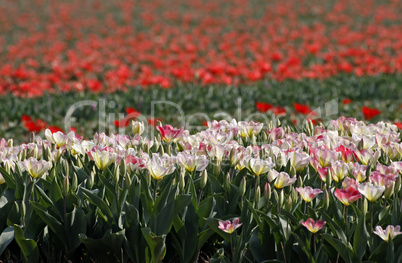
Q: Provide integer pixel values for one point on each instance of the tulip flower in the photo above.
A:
(283, 179)
(159, 166)
(192, 162)
(36, 168)
(325, 156)
(103, 157)
(248, 129)
(390, 232)
(339, 170)
(298, 160)
(308, 193)
(58, 138)
(229, 227)
(257, 166)
(348, 195)
(133, 163)
(169, 134)
(370, 191)
(312, 226)
(137, 127)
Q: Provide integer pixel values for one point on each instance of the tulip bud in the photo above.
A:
(276, 196)
(278, 123)
(123, 168)
(74, 182)
(365, 206)
(116, 174)
(264, 136)
(162, 150)
(326, 199)
(10, 143)
(66, 185)
(204, 179)
(169, 149)
(257, 196)
(90, 180)
(66, 167)
(299, 182)
(217, 168)
(267, 192)
(32, 137)
(242, 187)
(328, 179)
(270, 126)
(227, 182)
(127, 178)
(35, 152)
(288, 204)
(294, 195)
(281, 198)
(137, 127)
(182, 183)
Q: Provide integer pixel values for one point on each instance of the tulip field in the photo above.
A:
(201, 131)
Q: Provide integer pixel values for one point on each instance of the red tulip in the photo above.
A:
(370, 113)
(263, 107)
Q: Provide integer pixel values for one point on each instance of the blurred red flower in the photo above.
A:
(370, 113)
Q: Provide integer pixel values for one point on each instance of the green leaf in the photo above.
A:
(6, 237)
(342, 249)
(157, 246)
(106, 249)
(390, 251)
(182, 202)
(360, 238)
(76, 223)
(29, 248)
(98, 202)
(54, 224)
(8, 178)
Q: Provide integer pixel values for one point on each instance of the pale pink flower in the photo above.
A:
(312, 226)
(308, 193)
(192, 162)
(283, 179)
(229, 227)
(390, 232)
(370, 191)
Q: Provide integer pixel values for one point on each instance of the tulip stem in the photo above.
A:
(371, 216)
(345, 215)
(231, 246)
(315, 246)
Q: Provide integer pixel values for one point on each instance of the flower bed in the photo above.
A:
(105, 46)
(237, 191)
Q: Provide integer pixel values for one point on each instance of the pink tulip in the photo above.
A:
(308, 193)
(169, 134)
(312, 226)
(283, 179)
(389, 233)
(348, 195)
(228, 226)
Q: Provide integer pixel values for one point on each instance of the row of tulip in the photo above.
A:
(371, 99)
(237, 191)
